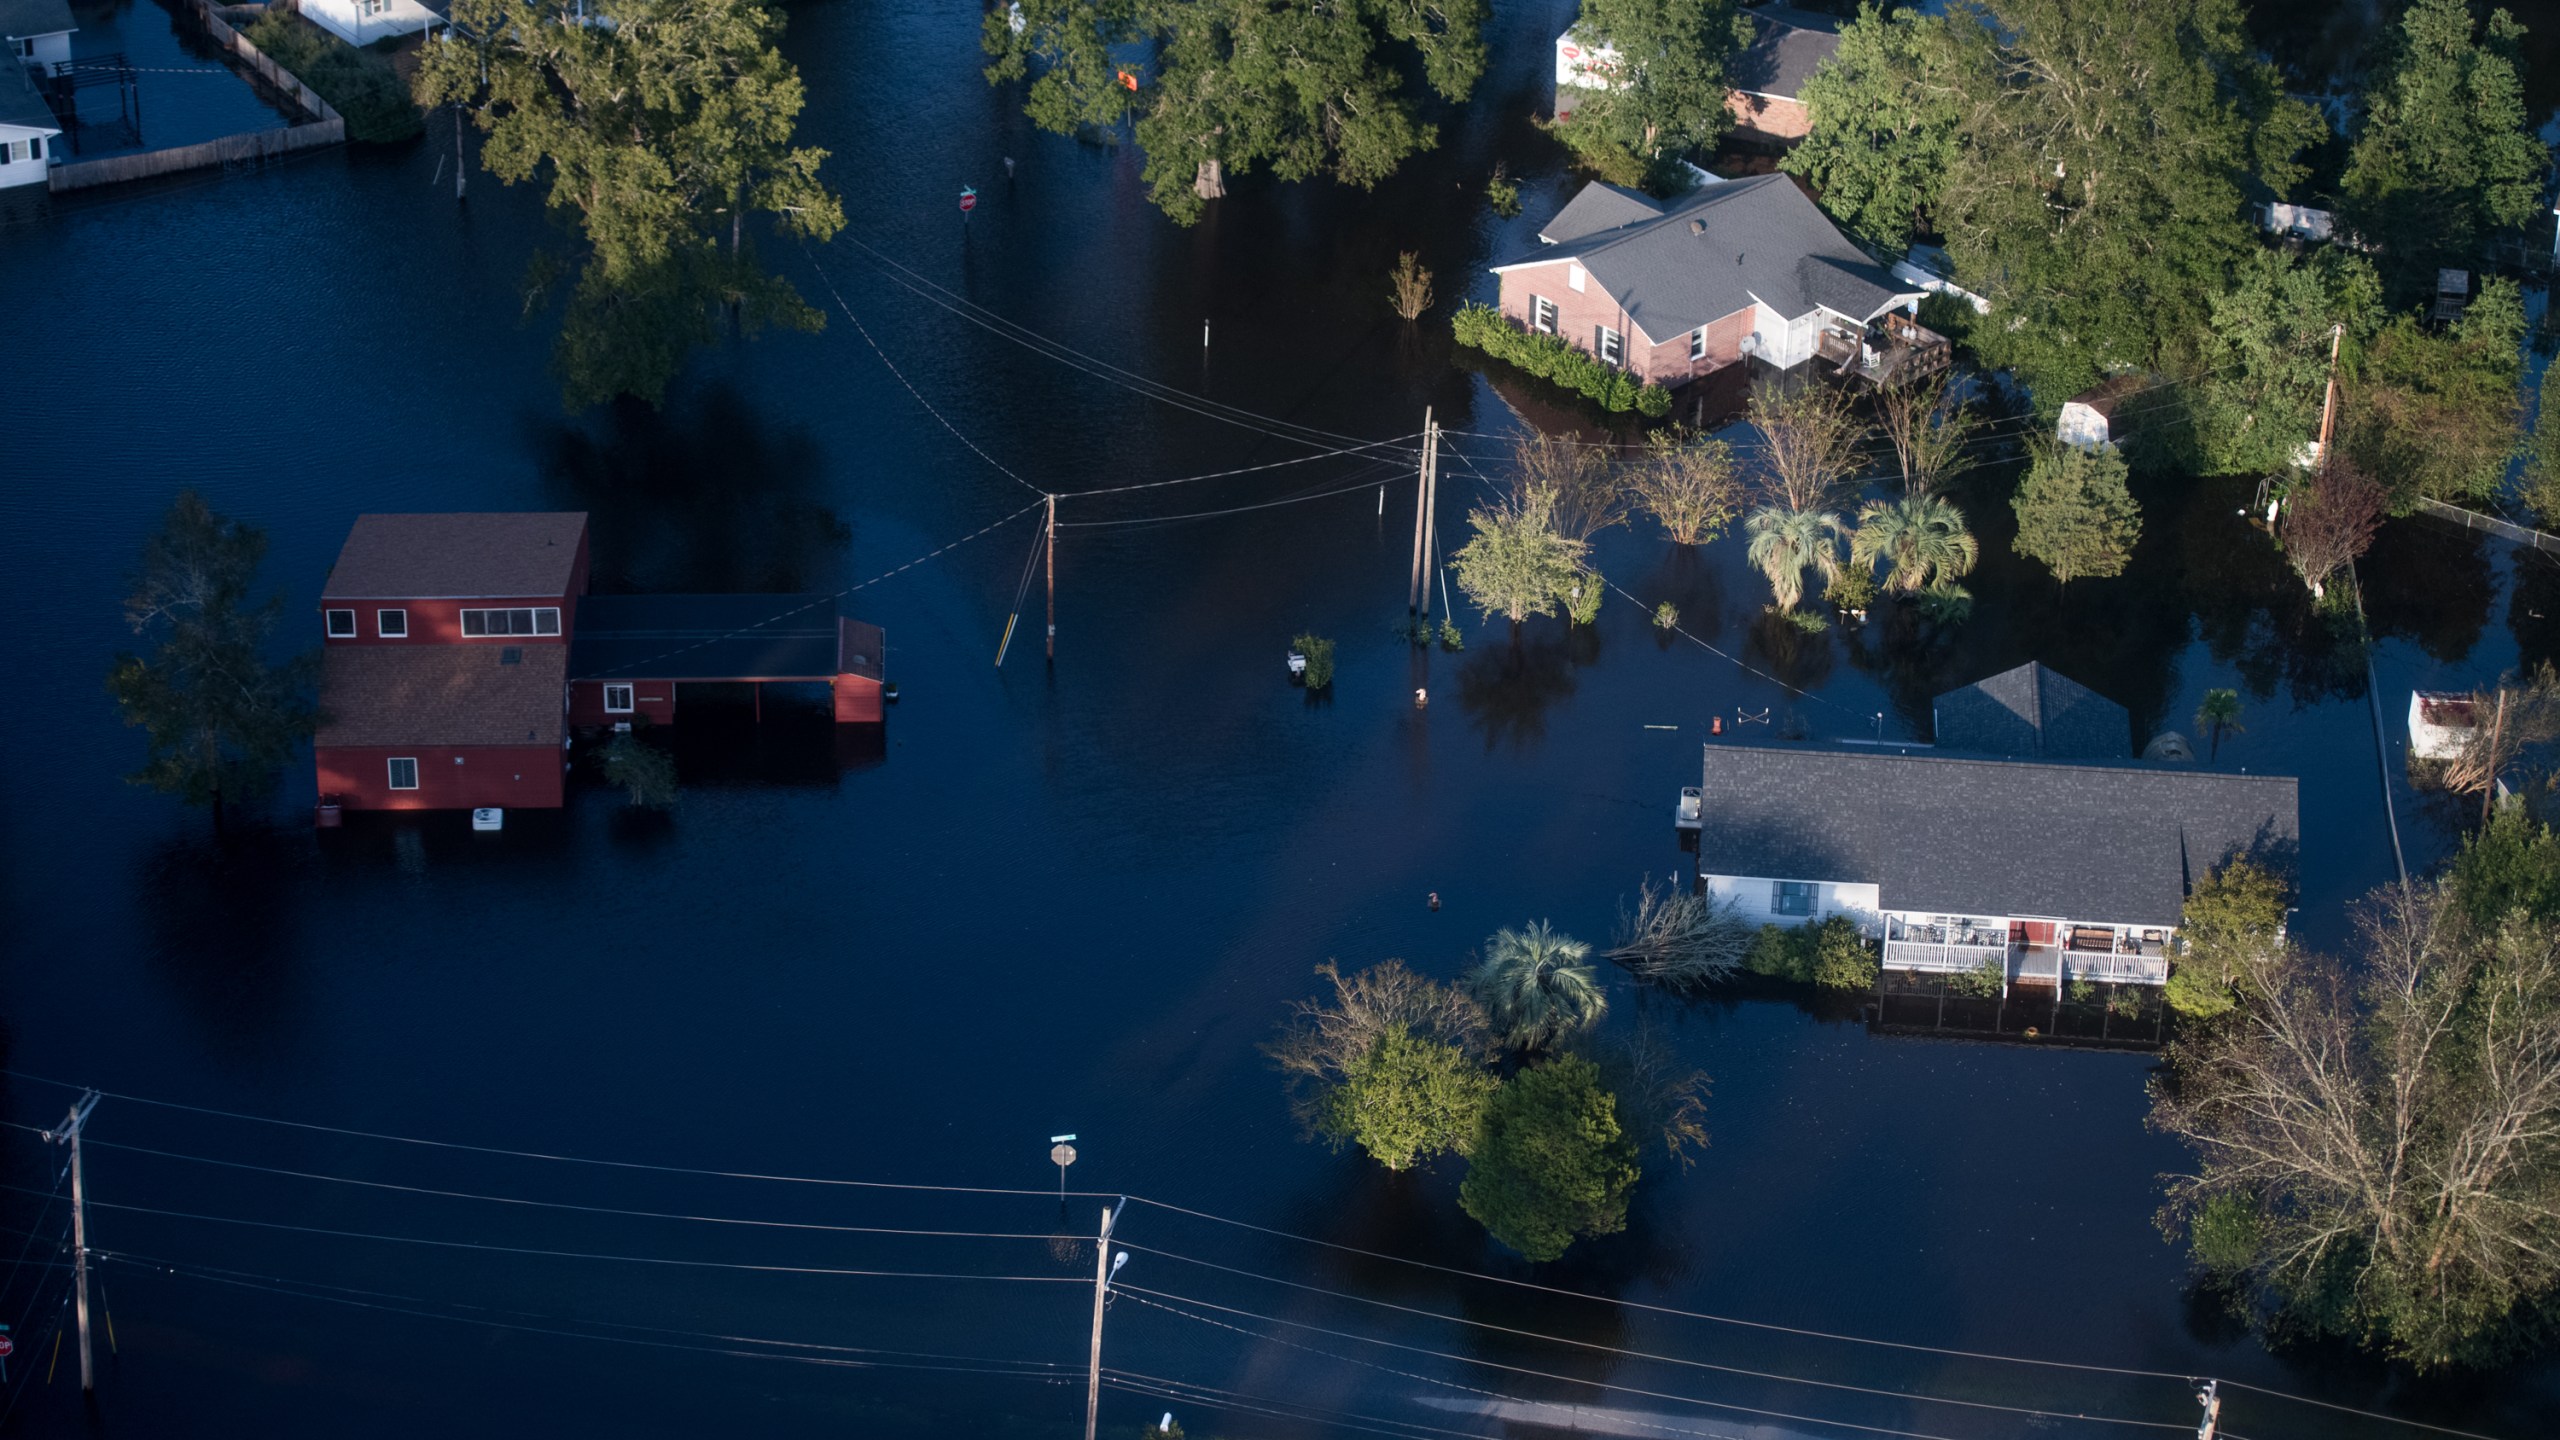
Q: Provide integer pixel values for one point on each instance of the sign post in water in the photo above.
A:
(1062, 1155)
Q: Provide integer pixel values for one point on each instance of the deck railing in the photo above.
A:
(1951, 959)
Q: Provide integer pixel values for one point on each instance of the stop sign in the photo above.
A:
(8, 1347)
(968, 201)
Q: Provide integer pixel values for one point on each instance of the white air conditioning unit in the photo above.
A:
(489, 818)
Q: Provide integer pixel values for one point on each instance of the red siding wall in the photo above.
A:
(1578, 316)
(655, 699)
(520, 776)
(858, 700)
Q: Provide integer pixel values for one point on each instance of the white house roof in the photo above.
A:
(1713, 252)
(21, 108)
(25, 19)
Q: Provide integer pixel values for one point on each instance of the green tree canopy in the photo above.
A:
(2098, 192)
(1551, 1163)
(2075, 513)
(2229, 924)
(1306, 87)
(1670, 92)
(658, 124)
(2263, 371)
(1886, 111)
(1537, 986)
(1407, 1100)
(1517, 565)
(2443, 153)
(1922, 539)
(220, 719)
(1785, 543)
(2437, 412)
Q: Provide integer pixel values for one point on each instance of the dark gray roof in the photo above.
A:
(1716, 250)
(1786, 47)
(20, 18)
(706, 637)
(2031, 711)
(1600, 206)
(1984, 835)
(20, 105)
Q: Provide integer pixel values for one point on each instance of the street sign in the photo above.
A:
(968, 200)
(1061, 1156)
(8, 1347)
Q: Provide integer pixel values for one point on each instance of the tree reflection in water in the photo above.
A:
(706, 495)
(1799, 659)
(2533, 609)
(1508, 686)
(2430, 584)
(224, 934)
(2254, 615)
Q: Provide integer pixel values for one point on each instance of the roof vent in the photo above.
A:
(511, 655)
(1697, 227)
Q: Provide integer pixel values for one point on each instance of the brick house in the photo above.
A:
(445, 661)
(1674, 290)
(1768, 76)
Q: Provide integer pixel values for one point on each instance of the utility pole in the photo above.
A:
(2329, 402)
(1421, 485)
(1430, 513)
(1103, 1269)
(458, 157)
(69, 1134)
(2210, 1397)
(1053, 578)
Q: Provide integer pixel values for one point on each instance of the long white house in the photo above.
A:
(361, 22)
(2024, 839)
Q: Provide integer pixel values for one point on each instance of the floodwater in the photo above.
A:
(1055, 900)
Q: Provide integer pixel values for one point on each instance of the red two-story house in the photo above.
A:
(444, 672)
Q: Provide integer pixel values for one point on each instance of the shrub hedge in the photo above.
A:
(1555, 359)
(1832, 955)
(360, 84)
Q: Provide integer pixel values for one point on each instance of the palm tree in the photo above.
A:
(1784, 542)
(2219, 712)
(1922, 537)
(1536, 985)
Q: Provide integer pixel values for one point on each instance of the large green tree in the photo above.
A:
(220, 717)
(1886, 111)
(2099, 187)
(2075, 513)
(1552, 1163)
(2436, 412)
(1408, 1099)
(1669, 87)
(2264, 365)
(1518, 565)
(659, 125)
(2443, 152)
(1305, 87)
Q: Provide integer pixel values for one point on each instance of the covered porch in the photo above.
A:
(2027, 949)
(1891, 349)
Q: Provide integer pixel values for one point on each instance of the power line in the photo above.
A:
(557, 1204)
(1542, 1374)
(1649, 1355)
(1363, 483)
(1219, 1397)
(573, 1254)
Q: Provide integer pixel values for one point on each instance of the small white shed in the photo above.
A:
(2440, 723)
(2099, 415)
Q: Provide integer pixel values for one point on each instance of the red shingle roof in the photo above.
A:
(458, 557)
(442, 695)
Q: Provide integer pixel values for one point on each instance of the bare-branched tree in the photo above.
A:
(1688, 485)
(1583, 491)
(2330, 521)
(1412, 293)
(1657, 1093)
(2514, 726)
(1809, 442)
(1929, 425)
(2385, 1156)
(1672, 937)
(1324, 1037)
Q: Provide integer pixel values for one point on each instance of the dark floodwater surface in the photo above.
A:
(1069, 901)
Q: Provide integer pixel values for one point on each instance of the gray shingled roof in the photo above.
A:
(2031, 711)
(1966, 834)
(501, 556)
(1600, 206)
(20, 105)
(1715, 251)
(1786, 47)
(20, 18)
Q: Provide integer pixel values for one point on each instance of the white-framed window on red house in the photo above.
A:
(404, 772)
(1609, 346)
(341, 623)
(1698, 343)
(617, 699)
(1542, 314)
(391, 624)
(544, 620)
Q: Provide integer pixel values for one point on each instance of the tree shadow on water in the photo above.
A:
(707, 495)
(2429, 584)
(1800, 659)
(1506, 688)
(223, 934)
